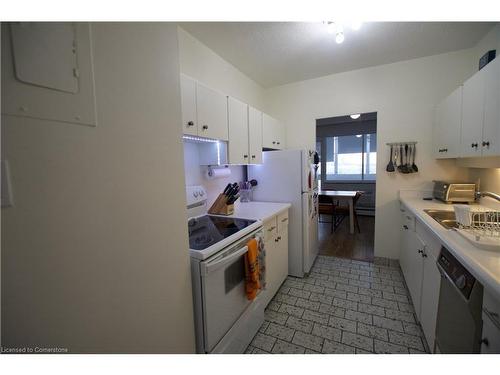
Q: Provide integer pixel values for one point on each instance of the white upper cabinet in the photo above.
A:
(238, 131)
(273, 133)
(472, 115)
(211, 108)
(188, 103)
(447, 125)
(245, 133)
(254, 135)
(491, 127)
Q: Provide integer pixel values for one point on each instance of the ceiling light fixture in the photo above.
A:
(355, 116)
(338, 29)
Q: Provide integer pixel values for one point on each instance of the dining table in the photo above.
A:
(343, 195)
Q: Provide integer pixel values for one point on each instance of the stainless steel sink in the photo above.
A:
(445, 218)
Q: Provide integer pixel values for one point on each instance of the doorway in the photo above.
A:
(347, 146)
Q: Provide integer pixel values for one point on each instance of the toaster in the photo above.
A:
(454, 192)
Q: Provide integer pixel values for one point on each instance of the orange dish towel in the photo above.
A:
(252, 283)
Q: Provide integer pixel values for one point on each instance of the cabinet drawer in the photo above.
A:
(270, 229)
(407, 219)
(282, 221)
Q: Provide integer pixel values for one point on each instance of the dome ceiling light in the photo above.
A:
(337, 28)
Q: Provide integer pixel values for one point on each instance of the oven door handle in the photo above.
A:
(211, 266)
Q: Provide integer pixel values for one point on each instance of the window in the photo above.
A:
(350, 157)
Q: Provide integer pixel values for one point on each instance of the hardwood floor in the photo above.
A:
(342, 244)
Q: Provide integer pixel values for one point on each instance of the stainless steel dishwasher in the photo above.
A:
(459, 323)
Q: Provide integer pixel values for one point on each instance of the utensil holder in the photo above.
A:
(245, 195)
(220, 207)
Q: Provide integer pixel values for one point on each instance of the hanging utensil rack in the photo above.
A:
(408, 165)
(401, 143)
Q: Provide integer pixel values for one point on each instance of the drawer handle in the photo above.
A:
(283, 220)
(405, 227)
(253, 156)
(271, 229)
(487, 144)
(190, 123)
(245, 156)
(205, 127)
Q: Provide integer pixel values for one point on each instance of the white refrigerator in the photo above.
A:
(291, 176)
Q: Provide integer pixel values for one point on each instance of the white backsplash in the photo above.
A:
(196, 174)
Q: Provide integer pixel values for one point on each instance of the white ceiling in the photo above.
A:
(275, 53)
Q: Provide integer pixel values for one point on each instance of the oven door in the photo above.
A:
(223, 289)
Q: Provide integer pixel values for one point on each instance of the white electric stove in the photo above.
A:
(225, 320)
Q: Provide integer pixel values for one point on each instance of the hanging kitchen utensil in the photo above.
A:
(390, 166)
(414, 166)
(406, 165)
(408, 162)
(401, 161)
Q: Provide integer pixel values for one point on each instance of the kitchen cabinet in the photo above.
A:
(490, 339)
(188, 105)
(273, 133)
(412, 262)
(238, 131)
(447, 126)
(481, 113)
(276, 246)
(491, 126)
(245, 133)
(472, 115)
(211, 108)
(254, 135)
(418, 256)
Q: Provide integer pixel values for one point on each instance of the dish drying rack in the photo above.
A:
(481, 228)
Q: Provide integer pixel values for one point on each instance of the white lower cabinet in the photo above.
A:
(276, 245)
(418, 255)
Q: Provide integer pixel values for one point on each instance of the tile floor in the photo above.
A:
(344, 306)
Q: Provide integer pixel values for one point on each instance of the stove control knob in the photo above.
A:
(460, 282)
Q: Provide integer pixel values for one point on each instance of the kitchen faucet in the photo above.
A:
(489, 194)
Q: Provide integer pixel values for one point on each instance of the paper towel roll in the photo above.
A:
(218, 173)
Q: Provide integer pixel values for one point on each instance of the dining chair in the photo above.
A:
(326, 207)
(342, 211)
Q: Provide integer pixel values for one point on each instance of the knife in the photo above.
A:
(227, 188)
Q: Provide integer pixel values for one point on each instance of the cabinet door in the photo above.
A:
(431, 282)
(255, 135)
(472, 115)
(272, 270)
(411, 262)
(238, 131)
(283, 253)
(188, 104)
(280, 135)
(448, 125)
(212, 113)
(491, 127)
(269, 126)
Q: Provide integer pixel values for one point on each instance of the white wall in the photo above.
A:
(196, 174)
(403, 94)
(94, 252)
(201, 63)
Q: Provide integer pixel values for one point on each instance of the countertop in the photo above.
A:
(483, 264)
(259, 210)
